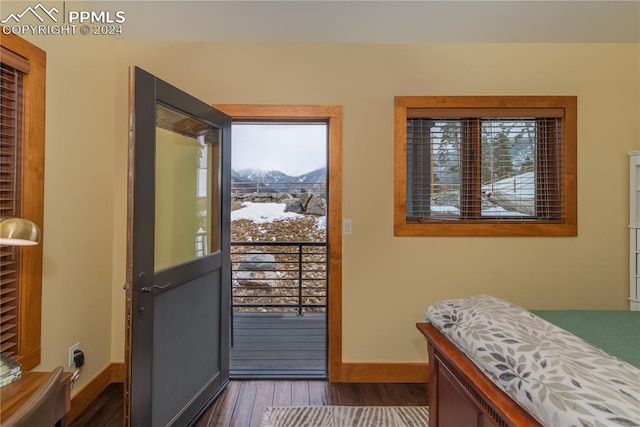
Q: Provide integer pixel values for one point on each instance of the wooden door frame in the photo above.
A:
(333, 115)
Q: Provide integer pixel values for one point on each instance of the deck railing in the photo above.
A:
(279, 276)
(239, 187)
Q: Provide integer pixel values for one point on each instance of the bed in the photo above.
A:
(492, 363)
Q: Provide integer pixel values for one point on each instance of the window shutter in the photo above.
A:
(419, 161)
(549, 169)
(10, 148)
(505, 168)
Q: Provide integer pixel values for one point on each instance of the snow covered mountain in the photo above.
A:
(259, 175)
(276, 181)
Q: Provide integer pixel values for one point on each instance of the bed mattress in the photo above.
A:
(558, 377)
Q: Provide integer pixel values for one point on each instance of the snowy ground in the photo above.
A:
(268, 221)
(516, 193)
(260, 213)
(263, 212)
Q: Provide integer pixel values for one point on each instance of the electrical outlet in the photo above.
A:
(73, 348)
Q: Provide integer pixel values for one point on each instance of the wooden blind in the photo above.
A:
(11, 86)
(485, 168)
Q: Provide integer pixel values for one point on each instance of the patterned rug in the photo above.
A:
(345, 416)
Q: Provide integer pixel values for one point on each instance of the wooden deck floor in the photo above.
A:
(279, 345)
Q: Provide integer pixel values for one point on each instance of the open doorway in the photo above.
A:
(332, 116)
(279, 249)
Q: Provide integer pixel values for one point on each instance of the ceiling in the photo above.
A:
(363, 21)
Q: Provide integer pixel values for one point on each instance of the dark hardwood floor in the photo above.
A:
(240, 405)
(106, 410)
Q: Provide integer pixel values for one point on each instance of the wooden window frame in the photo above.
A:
(32, 195)
(407, 106)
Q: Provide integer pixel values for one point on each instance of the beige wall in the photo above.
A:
(387, 281)
(78, 232)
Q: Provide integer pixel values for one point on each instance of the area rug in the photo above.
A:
(345, 416)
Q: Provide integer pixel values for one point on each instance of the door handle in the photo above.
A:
(162, 287)
(150, 289)
(142, 289)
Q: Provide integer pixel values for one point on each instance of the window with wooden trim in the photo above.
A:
(485, 166)
(22, 103)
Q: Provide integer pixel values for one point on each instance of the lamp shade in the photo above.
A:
(18, 232)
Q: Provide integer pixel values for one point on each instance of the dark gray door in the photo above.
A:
(179, 264)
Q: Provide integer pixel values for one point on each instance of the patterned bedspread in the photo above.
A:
(558, 378)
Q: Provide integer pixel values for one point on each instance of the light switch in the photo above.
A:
(346, 226)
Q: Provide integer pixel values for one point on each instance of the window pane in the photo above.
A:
(434, 170)
(508, 167)
(442, 171)
(187, 193)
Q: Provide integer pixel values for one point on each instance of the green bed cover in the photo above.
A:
(616, 332)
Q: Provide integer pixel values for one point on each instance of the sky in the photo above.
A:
(294, 149)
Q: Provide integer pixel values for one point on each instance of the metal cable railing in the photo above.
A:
(279, 276)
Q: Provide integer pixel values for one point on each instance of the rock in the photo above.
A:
(255, 269)
(255, 279)
(257, 261)
(316, 206)
(307, 203)
(511, 203)
(261, 197)
(304, 199)
(293, 205)
(283, 197)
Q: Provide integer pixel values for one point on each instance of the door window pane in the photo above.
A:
(187, 207)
